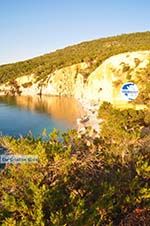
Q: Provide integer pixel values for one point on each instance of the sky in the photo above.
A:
(31, 28)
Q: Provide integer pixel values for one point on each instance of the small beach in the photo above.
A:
(89, 118)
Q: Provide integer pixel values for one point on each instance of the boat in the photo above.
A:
(84, 119)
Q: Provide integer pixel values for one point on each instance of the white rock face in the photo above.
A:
(116, 69)
(102, 84)
(67, 81)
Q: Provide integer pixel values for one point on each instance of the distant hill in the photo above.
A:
(94, 52)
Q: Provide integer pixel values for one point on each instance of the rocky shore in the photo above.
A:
(90, 117)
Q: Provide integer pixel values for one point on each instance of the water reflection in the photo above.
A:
(60, 110)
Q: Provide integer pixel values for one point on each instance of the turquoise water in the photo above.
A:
(21, 115)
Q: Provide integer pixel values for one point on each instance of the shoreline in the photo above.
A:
(90, 118)
(90, 112)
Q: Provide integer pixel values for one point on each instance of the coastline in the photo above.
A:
(90, 118)
(90, 111)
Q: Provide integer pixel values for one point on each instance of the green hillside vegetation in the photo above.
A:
(82, 181)
(94, 52)
(143, 81)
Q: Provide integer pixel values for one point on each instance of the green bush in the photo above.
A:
(81, 181)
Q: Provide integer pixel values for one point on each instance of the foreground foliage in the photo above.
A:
(81, 180)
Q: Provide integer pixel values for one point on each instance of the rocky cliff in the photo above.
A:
(103, 84)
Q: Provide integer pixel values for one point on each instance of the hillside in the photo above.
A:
(102, 84)
(81, 179)
(92, 52)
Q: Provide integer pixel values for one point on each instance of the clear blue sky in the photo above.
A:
(33, 27)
